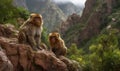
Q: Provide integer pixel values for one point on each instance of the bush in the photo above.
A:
(7, 10)
(10, 13)
(23, 13)
(44, 37)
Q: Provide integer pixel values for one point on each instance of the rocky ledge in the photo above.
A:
(20, 57)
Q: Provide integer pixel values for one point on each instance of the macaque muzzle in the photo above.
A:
(53, 38)
(37, 19)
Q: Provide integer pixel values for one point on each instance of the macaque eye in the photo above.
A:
(37, 17)
(53, 37)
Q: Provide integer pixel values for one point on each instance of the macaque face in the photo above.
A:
(36, 19)
(53, 39)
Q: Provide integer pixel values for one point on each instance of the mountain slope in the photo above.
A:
(93, 19)
(53, 13)
(69, 8)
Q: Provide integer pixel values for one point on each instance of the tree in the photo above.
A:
(105, 54)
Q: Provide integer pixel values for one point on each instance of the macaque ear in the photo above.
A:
(50, 34)
(58, 35)
(40, 16)
(31, 15)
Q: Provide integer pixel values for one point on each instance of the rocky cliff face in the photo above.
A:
(96, 19)
(69, 8)
(93, 18)
(71, 21)
(20, 57)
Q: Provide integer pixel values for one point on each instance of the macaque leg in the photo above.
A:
(38, 41)
(32, 42)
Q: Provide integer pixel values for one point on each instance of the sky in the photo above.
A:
(76, 2)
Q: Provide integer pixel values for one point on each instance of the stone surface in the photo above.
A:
(23, 58)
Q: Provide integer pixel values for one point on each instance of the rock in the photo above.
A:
(71, 21)
(94, 18)
(71, 64)
(5, 63)
(8, 31)
(49, 62)
(23, 58)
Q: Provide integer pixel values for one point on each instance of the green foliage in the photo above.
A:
(23, 13)
(7, 10)
(44, 36)
(76, 54)
(103, 54)
(10, 13)
(114, 19)
(117, 5)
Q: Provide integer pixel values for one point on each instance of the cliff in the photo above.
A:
(69, 8)
(20, 57)
(71, 21)
(91, 23)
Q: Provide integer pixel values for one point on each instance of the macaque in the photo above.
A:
(30, 31)
(57, 44)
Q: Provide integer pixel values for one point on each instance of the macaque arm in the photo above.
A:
(65, 51)
(62, 43)
(24, 24)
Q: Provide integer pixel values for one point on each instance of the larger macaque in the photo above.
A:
(57, 44)
(30, 31)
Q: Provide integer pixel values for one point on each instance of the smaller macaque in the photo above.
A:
(30, 31)
(57, 44)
